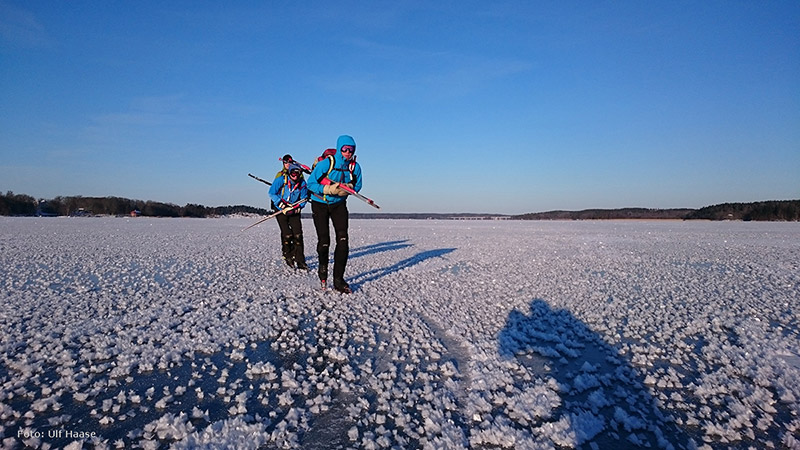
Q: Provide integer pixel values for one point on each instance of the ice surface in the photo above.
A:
(187, 332)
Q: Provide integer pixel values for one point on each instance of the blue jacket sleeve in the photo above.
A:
(304, 194)
(275, 191)
(319, 172)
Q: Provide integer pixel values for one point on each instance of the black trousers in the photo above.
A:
(291, 238)
(337, 213)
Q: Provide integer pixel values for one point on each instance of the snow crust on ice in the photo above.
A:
(189, 333)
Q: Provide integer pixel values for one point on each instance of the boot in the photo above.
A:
(341, 286)
(323, 272)
(287, 248)
(299, 253)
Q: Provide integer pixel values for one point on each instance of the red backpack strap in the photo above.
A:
(352, 167)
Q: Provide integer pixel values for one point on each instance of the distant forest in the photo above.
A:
(782, 210)
(24, 205)
(787, 210)
(601, 214)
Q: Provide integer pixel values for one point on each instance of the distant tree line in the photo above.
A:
(24, 205)
(785, 210)
(17, 204)
(606, 214)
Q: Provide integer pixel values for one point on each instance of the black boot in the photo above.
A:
(299, 252)
(340, 254)
(323, 272)
(341, 286)
(287, 248)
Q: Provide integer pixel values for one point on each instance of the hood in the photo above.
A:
(344, 140)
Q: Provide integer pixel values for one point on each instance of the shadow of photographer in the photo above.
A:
(572, 388)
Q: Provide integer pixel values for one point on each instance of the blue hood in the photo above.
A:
(344, 140)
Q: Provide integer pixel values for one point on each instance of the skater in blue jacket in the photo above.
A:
(285, 191)
(330, 203)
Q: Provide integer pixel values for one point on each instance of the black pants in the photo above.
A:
(336, 213)
(292, 239)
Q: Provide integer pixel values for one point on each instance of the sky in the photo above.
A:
(502, 107)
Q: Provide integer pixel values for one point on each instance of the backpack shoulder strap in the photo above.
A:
(285, 182)
(352, 167)
(331, 162)
(330, 169)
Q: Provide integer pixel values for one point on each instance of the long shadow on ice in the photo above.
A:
(378, 248)
(372, 275)
(577, 389)
(367, 250)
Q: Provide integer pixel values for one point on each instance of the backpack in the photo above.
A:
(325, 154)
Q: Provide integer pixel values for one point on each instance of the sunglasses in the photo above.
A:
(348, 149)
(294, 173)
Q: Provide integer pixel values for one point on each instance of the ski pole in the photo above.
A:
(306, 169)
(367, 200)
(259, 179)
(283, 211)
(351, 191)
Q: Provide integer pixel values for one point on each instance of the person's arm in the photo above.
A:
(320, 171)
(275, 191)
(359, 178)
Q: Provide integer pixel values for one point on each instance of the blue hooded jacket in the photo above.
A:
(290, 192)
(341, 173)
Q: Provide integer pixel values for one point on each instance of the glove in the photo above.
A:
(282, 204)
(342, 191)
(334, 189)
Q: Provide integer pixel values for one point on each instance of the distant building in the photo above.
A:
(480, 218)
(81, 212)
(43, 209)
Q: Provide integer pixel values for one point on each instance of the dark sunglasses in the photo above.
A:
(348, 150)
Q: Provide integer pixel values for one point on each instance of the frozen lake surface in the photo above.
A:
(147, 333)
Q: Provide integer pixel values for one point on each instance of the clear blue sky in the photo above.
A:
(455, 106)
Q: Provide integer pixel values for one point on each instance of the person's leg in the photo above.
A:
(340, 219)
(287, 246)
(299, 255)
(319, 213)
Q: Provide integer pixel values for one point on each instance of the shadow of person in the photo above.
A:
(571, 388)
(369, 250)
(379, 248)
(374, 274)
